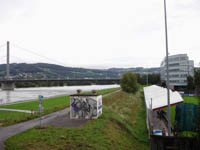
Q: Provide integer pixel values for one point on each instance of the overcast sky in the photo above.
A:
(99, 33)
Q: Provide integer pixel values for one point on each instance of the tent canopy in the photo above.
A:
(156, 97)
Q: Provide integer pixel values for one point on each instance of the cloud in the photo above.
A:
(89, 32)
(13, 9)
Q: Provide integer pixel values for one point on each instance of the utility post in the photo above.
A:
(40, 108)
(168, 94)
(8, 61)
(147, 79)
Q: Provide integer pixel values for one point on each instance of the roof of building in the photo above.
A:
(156, 97)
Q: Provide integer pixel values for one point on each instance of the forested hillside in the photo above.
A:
(44, 70)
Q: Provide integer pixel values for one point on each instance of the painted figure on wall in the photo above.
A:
(83, 107)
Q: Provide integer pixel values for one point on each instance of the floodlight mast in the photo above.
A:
(167, 63)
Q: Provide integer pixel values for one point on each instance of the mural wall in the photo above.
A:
(85, 107)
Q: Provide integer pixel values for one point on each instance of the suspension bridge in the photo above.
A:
(7, 83)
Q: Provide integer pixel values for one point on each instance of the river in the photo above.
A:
(22, 94)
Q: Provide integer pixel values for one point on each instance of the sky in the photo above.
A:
(98, 33)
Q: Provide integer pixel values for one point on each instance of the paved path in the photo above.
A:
(6, 132)
(63, 120)
(157, 123)
(17, 110)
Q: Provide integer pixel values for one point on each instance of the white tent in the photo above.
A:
(156, 97)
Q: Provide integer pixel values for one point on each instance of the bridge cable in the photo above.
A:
(2, 45)
(30, 51)
(18, 59)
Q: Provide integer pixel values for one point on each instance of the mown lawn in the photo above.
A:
(49, 104)
(122, 126)
(187, 99)
(106, 91)
(8, 117)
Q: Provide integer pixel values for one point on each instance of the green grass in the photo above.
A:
(131, 108)
(187, 99)
(8, 117)
(172, 112)
(141, 87)
(104, 91)
(49, 104)
(188, 134)
(121, 126)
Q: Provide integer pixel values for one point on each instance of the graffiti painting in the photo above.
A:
(85, 107)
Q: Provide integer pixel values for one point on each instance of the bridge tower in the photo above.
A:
(8, 84)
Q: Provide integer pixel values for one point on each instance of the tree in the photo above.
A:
(197, 79)
(154, 78)
(150, 78)
(190, 83)
(163, 84)
(197, 89)
(129, 82)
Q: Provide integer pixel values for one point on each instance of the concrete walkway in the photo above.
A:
(157, 123)
(63, 120)
(6, 132)
(17, 110)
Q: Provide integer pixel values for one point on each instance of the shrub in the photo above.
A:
(129, 82)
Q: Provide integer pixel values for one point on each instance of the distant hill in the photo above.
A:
(136, 70)
(44, 70)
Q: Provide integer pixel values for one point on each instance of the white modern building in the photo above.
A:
(180, 67)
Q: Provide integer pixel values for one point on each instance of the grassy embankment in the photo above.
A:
(121, 126)
(49, 104)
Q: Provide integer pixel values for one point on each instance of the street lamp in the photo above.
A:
(167, 63)
(147, 79)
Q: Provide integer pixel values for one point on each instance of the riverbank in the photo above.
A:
(49, 105)
(28, 94)
(121, 126)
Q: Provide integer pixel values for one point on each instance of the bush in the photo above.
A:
(129, 82)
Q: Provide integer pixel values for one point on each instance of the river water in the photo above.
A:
(22, 94)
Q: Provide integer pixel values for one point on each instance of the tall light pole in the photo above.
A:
(147, 79)
(8, 61)
(167, 63)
